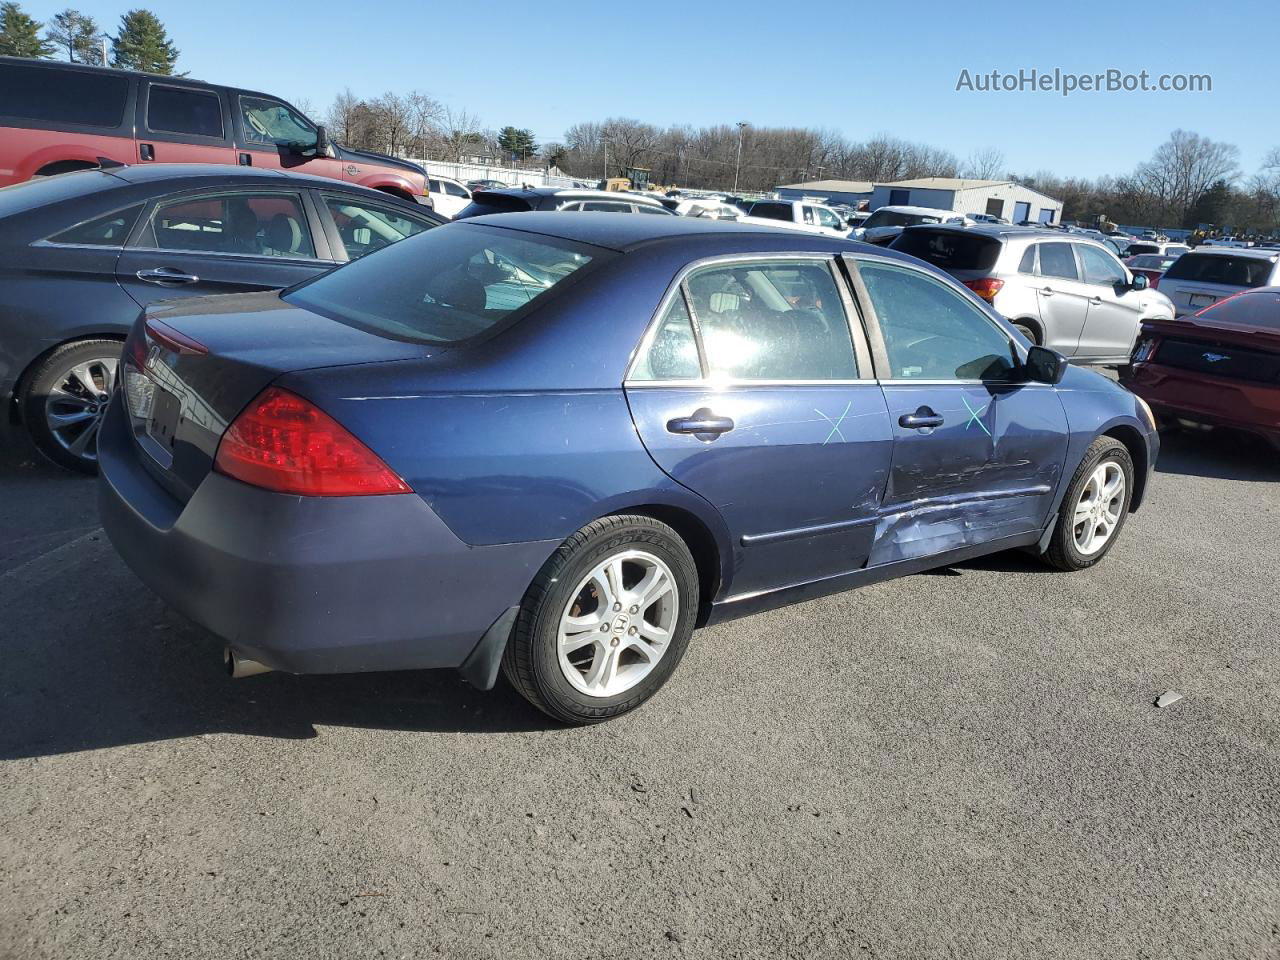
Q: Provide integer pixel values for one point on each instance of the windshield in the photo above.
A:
(894, 218)
(445, 285)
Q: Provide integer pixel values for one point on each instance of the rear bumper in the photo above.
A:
(309, 584)
(1251, 407)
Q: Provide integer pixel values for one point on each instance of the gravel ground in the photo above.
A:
(966, 763)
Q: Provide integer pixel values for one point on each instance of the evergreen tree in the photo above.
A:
(143, 44)
(78, 35)
(20, 35)
(517, 143)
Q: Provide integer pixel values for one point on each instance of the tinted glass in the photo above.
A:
(444, 286)
(606, 206)
(780, 320)
(1099, 268)
(269, 121)
(192, 112)
(893, 218)
(487, 202)
(774, 211)
(365, 228)
(1258, 309)
(931, 332)
(950, 250)
(1136, 248)
(1057, 260)
(1028, 262)
(1226, 270)
(62, 96)
(106, 231)
(264, 225)
(673, 352)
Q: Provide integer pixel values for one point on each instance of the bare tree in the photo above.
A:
(984, 164)
(341, 118)
(459, 132)
(1183, 169)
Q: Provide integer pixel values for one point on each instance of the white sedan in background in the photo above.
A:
(448, 196)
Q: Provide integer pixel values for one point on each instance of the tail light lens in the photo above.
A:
(1143, 349)
(284, 443)
(986, 287)
(139, 389)
(1155, 281)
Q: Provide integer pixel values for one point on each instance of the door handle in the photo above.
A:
(1046, 291)
(704, 425)
(167, 276)
(246, 160)
(924, 418)
(1096, 301)
(146, 151)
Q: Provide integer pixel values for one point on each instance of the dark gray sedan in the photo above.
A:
(80, 253)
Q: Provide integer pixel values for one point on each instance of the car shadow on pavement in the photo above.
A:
(1218, 455)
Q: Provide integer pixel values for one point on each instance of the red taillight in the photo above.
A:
(1153, 281)
(986, 287)
(284, 443)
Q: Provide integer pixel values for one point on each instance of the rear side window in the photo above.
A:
(1028, 263)
(446, 286)
(774, 211)
(62, 96)
(106, 231)
(1261, 309)
(192, 112)
(1057, 260)
(1225, 270)
(950, 250)
(673, 352)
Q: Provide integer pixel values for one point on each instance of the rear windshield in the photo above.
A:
(447, 285)
(1258, 309)
(1225, 270)
(62, 96)
(1136, 248)
(1151, 261)
(488, 202)
(892, 218)
(950, 249)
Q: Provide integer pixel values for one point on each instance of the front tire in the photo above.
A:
(65, 399)
(1095, 507)
(605, 622)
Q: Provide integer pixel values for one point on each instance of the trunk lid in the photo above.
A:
(203, 360)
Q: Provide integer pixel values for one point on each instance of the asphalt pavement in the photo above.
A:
(966, 763)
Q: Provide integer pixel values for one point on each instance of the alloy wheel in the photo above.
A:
(618, 624)
(1099, 509)
(77, 403)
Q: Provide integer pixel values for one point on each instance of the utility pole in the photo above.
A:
(105, 62)
(737, 168)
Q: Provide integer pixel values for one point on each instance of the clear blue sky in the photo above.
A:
(858, 68)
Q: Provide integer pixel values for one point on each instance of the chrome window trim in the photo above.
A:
(677, 285)
(236, 256)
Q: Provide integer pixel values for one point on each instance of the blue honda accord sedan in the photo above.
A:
(556, 443)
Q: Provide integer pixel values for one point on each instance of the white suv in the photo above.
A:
(1061, 291)
(448, 196)
(1208, 274)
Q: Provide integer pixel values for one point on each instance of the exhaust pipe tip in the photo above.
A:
(238, 666)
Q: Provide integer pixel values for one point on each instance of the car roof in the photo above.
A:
(116, 71)
(576, 193)
(626, 231)
(1000, 231)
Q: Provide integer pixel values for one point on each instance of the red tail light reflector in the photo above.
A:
(986, 287)
(284, 443)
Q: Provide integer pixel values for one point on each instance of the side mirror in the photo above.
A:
(1045, 366)
(322, 141)
(1140, 281)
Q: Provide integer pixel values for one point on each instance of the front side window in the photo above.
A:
(828, 219)
(931, 332)
(445, 286)
(673, 352)
(775, 320)
(365, 228)
(196, 113)
(106, 231)
(773, 211)
(1100, 269)
(250, 224)
(268, 121)
(1057, 260)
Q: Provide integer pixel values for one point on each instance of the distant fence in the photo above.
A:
(512, 175)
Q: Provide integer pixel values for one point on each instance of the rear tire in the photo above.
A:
(606, 620)
(65, 398)
(1095, 507)
(1029, 331)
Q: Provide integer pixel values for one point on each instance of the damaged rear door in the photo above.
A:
(977, 453)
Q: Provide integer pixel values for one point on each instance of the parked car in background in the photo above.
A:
(81, 252)
(1220, 367)
(520, 199)
(440, 456)
(449, 197)
(1062, 291)
(1159, 248)
(985, 218)
(1208, 274)
(887, 222)
(59, 117)
(476, 186)
(710, 209)
(1150, 265)
(807, 215)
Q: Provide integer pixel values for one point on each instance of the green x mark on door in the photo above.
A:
(975, 416)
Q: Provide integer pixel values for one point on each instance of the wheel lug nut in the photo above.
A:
(613, 642)
(604, 628)
(633, 631)
(635, 609)
(617, 606)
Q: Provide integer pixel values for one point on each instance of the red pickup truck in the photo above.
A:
(56, 117)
